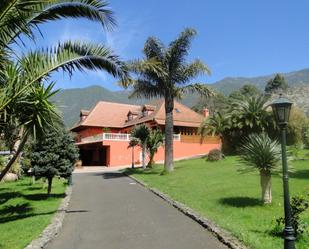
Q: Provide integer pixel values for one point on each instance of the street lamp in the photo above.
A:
(281, 108)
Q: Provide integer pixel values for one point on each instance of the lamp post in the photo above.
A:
(281, 108)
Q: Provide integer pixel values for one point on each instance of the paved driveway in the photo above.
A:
(110, 211)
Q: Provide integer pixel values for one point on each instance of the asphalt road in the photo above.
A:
(110, 211)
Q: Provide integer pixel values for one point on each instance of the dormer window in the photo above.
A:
(132, 115)
(144, 113)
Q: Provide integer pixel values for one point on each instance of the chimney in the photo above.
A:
(206, 112)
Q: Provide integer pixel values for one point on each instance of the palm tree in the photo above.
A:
(22, 17)
(215, 125)
(251, 114)
(263, 154)
(31, 71)
(154, 142)
(22, 78)
(218, 124)
(132, 143)
(35, 113)
(164, 73)
(141, 132)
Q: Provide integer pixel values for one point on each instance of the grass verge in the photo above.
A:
(223, 192)
(25, 211)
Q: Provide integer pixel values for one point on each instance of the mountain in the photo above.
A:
(230, 84)
(71, 101)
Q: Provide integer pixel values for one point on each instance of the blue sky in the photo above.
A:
(235, 38)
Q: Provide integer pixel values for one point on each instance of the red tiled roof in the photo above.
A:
(114, 115)
(107, 114)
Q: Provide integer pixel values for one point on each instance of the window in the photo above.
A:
(177, 110)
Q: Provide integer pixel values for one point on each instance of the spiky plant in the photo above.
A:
(260, 152)
(165, 73)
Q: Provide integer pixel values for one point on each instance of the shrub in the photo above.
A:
(53, 155)
(299, 204)
(214, 155)
(305, 137)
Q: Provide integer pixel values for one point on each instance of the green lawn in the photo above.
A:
(230, 197)
(25, 211)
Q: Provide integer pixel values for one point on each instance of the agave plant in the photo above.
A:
(261, 153)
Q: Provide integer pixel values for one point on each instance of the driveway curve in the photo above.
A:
(110, 211)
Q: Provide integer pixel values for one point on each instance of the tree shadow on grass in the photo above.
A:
(22, 216)
(4, 197)
(16, 209)
(34, 188)
(241, 202)
(42, 196)
(300, 174)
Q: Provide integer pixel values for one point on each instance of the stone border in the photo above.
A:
(52, 230)
(224, 236)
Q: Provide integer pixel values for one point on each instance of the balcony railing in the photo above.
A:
(114, 137)
(177, 137)
(95, 138)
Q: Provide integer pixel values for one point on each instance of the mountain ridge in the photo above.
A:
(71, 101)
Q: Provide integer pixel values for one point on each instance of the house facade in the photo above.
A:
(103, 133)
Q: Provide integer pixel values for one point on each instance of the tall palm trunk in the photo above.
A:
(18, 147)
(266, 186)
(169, 133)
(151, 161)
(144, 155)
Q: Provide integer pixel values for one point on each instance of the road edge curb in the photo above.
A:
(52, 230)
(224, 236)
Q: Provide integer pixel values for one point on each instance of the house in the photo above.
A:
(103, 133)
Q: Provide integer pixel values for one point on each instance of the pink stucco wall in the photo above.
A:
(120, 154)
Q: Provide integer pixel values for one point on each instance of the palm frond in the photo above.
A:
(186, 72)
(260, 152)
(35, 110)
(23, 16)
(69, 56)
(144, 89)
(201, 89)
(154, 48)
(179, 48)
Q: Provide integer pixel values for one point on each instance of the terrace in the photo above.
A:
(112, 137)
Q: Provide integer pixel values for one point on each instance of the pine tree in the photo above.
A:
(275, 84)
(54, 155)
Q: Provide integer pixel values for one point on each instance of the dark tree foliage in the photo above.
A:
(54, 155)
(276, 84)
(245, 91)
(214, 103)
